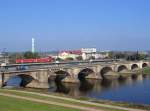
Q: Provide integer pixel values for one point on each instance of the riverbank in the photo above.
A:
(76, 103)
(106, 102)
(14, 104)
(146, 70)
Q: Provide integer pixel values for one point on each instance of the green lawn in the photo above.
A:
(56, 100)
(146, 70)
(12, 104)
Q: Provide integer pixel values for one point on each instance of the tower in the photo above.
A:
(33, 45)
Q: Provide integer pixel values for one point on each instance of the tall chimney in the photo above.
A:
(33, 45)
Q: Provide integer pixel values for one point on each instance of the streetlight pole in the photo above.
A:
(3, 73)
(2, 79)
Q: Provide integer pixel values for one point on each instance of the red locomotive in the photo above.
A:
(37, 60)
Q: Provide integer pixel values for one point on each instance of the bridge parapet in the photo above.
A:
(95, 70)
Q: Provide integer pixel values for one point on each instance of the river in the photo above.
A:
(133, 89)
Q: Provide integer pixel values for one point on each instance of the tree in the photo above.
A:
(58, 59)
(69, 59)
(15, 56)
(18, 56)
(79, 58)
(141, 56)
(111, 55)
(30, 55)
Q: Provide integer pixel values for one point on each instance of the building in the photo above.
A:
(88, 50)
(88, 53)
(102, 55)
(4, 58)
(82, 54)
(71, 54)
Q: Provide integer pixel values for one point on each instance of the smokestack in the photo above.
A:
(33, 45)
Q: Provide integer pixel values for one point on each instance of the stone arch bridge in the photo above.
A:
(75, 73)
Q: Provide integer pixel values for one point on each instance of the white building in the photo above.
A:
(88, 53)
(3, 59)
(101, 55)
(88, 50)
(65, 55)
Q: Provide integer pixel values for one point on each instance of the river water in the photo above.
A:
(134, 89)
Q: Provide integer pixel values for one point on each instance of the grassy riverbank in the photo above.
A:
(23, 104)
(146, 70)
(121, 104)
(53, 99)
(13, 104)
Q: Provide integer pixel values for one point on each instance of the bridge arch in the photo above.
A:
(84, 73)
(122, 68)
(25, 79)
(144, 65)
(134, 66)
(60, 75)
(105, 71)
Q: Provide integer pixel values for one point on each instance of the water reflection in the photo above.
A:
(62, 88)
(14, 81)
(18, 81)
(86, 86)
(129, 89)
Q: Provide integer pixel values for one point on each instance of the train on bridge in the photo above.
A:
(36, 60)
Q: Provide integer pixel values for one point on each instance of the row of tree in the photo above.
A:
(25, 55)
(127, 55)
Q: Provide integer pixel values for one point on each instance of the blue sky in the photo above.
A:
(72, 24)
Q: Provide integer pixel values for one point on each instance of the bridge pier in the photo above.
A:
(42, 76)
(125, 73)
(94, 76)
(3, 78)
(40, 79)
(37, 84)
(71, 79)
(111, 75)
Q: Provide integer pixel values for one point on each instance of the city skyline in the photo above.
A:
(60, 25)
